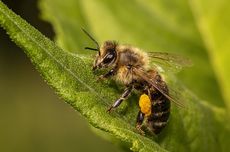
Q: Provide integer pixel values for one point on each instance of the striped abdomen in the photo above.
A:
(160, 112)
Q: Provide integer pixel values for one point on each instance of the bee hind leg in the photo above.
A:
(139, 122)
(124, 95)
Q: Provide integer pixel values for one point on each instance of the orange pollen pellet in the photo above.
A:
(145, 104)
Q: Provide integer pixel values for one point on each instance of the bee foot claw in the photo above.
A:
(109, 110)
(100, 78)
(138, 127)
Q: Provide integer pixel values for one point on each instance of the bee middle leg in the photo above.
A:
(124, 95)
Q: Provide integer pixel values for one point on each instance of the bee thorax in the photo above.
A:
(124, 75)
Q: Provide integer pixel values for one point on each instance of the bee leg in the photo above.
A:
(108, 74)
(124, 95)
(139, 122)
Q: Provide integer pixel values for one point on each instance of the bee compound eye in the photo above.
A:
(108, 58)
(129, 66)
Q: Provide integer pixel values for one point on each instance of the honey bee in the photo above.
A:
(132, 67)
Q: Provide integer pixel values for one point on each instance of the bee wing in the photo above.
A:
(168, 61)
(173, 96)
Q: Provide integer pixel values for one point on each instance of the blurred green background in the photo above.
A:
(32, 117)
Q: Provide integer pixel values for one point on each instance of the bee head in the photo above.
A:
(106, 56)
(106, 53)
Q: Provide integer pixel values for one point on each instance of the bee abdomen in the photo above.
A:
(160, 114)
(158, 126)
(160, 105)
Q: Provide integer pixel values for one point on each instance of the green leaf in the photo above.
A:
(212, 18)
(199, 127)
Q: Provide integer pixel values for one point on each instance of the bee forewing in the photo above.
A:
(168, 61)
(173, 96)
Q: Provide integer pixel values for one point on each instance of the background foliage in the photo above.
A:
(189, 28)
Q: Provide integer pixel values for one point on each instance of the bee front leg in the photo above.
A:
(108, 74)
(125, 94)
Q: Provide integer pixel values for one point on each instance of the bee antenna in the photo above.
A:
(98, 47)
(89, 48)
